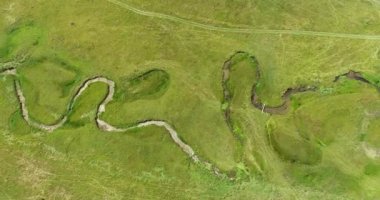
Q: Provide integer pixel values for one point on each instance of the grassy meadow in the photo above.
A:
(325, 147)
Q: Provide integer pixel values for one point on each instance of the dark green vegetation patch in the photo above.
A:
(297, 117)
(148, 85)
(292, 147)
(19, 41)
(48, 95)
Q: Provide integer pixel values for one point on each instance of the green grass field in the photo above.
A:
(166, 59)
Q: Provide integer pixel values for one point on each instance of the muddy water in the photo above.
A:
(284, 106)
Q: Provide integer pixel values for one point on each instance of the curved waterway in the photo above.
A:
(187, 149)
(101, 124)
(286, 96)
